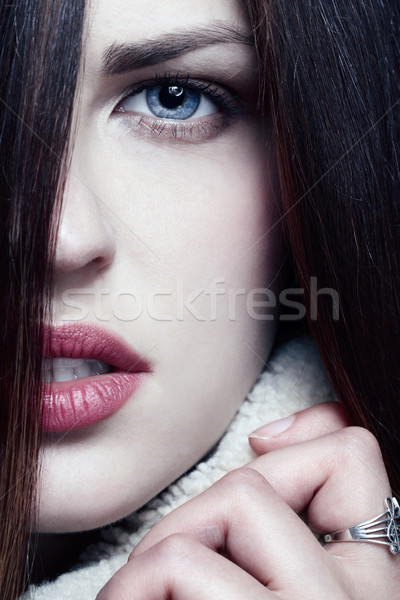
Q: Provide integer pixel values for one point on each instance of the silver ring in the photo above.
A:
(383, 529)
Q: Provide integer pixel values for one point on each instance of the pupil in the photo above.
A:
(172, 96)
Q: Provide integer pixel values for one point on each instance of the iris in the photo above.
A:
(172, 101)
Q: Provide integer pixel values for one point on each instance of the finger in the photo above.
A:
(340, 477)
(342, 480)
(244, 518)
(181, 568)
(305, 425)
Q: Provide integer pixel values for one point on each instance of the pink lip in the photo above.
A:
(84, 402)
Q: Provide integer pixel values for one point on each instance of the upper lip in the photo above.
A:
(88, 341)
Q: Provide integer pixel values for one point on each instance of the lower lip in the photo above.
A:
(84, 402)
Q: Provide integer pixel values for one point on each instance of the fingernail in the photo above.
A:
(273, 429)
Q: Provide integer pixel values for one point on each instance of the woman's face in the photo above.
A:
(163, 236)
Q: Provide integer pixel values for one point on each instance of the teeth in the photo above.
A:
(61, 363)
(63, 374)
(69, 369)
(83, 370)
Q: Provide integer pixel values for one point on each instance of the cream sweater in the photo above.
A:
(292, 381)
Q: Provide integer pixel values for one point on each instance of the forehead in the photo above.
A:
(121, 20)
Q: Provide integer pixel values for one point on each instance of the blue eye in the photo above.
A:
(173, 102)
(170, 102)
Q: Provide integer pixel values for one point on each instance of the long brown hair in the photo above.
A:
(330, 78)
(37, 80)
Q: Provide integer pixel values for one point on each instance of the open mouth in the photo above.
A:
(88, 374)
(57, 370)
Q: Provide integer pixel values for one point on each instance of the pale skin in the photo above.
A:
(242, 538)
(161, 212)
(147, 205)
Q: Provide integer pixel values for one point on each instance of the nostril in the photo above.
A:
(86, 238)
(82, 260)
(97, 264)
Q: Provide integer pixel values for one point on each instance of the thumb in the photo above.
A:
(305, 425)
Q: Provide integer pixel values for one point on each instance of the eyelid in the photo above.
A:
(225, 98)
(231, 107)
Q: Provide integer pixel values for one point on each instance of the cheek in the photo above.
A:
(211, 224)
(195, 226)
(207, 222)
(201, 207)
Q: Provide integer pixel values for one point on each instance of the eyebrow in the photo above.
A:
(121, 58)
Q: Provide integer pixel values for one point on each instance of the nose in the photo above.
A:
(86, 239)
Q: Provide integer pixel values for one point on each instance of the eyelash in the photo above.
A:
(230, 107)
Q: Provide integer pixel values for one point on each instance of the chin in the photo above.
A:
(82, 518)
(91, 504)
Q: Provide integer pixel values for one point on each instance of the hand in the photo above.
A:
(242, 538)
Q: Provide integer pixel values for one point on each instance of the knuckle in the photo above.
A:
(360, 441)
(114, 590)
(175, 547)
(241, 485)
